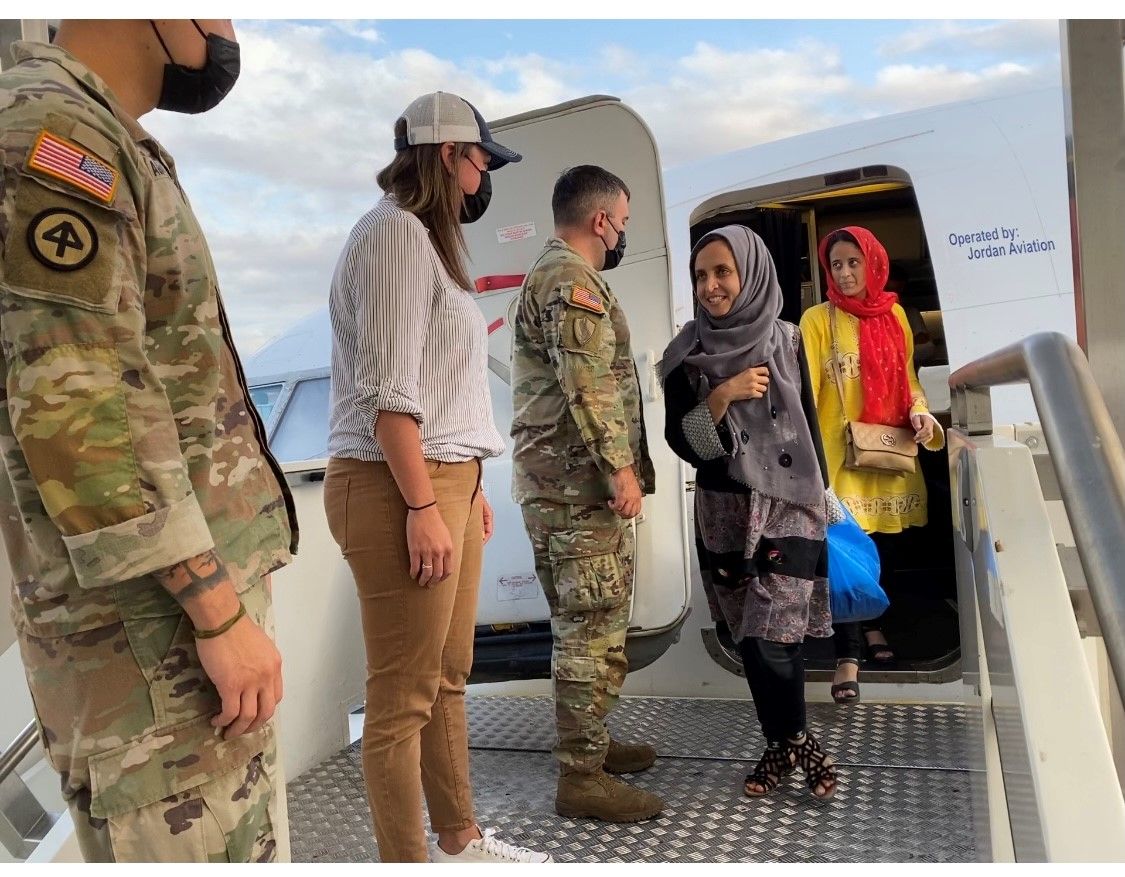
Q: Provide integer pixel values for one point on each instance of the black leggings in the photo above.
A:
(776, 673)
(848, 638)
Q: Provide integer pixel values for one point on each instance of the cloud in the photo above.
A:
(715, 100)
(312, 113)
(269, 281)
(908, 86)
(625, 62)
(361, 30)
(948, 38)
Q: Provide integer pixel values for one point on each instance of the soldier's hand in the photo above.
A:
(430, 545)
(626, 502)
(749, 384)
(245, 666)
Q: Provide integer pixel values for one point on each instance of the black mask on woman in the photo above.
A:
(613, 257)
(473, 206)
(185, 90)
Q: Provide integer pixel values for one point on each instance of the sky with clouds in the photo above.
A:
(280, 171)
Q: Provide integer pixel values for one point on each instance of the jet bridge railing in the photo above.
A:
(19, 749)
(1087, 453)
(1034, 660)
(23, 821)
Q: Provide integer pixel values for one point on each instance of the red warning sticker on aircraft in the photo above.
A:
(512, 233)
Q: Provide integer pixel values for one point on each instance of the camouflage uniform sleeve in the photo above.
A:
(582, 345)
(393, 297)
(88, 424)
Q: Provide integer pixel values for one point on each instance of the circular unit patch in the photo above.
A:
(62, 239)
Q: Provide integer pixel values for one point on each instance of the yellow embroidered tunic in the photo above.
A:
(881, 502)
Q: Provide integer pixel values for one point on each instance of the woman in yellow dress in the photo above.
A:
(874, 349)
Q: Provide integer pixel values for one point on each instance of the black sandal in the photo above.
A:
(851, 685)
(876, 649)
(819, 767)
(776, 762)
(840, 687)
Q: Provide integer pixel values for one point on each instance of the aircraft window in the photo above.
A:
(264, 398)
(303, 431)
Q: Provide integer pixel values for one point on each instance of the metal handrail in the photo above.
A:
(19, 749)
(1088, 458)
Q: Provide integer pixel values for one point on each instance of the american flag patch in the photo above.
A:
(66, 161)
(585, 299)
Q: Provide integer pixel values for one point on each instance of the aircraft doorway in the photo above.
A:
(922, 623)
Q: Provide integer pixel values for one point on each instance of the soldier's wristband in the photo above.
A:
(222, 628)
(418, 508)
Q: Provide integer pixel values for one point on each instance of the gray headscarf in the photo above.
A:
(773, 430)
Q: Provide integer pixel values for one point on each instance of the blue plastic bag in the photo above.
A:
(853, 573)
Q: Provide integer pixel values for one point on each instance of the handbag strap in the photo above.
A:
(836, 361)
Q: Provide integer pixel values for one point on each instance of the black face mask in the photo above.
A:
(613, 257)
(473, 206)
(185, 90)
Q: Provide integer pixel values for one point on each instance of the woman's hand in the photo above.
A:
(486, 513)
(923, 427)
(750, 384)
(430, 546)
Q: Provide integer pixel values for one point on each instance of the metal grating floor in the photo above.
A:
(904, 793)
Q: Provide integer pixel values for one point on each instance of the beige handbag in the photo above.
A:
(872, 446)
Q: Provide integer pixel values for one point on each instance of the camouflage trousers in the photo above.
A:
(584, 558)
(124, 713)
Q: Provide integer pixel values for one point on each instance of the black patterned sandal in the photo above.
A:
(818, 766)
(776, 762)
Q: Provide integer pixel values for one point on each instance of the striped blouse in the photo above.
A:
(406, 338)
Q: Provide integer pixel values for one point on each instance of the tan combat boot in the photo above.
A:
(599, 796)
(628, 757)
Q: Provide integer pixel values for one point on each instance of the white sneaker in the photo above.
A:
(490, 849)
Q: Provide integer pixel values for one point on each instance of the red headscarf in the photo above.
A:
(882, 343)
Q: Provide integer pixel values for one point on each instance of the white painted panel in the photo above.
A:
(316, 619)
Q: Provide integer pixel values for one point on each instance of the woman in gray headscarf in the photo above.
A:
(739, 409)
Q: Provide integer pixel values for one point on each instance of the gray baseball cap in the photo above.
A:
(441, 117)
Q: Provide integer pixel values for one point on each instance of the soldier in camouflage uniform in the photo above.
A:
(141, 510)
(580, 467)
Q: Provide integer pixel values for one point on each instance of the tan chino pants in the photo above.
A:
(419, 645)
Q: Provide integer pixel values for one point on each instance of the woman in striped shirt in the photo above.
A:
(411, 421)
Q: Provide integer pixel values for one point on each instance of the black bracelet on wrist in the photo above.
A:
(418, 508)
